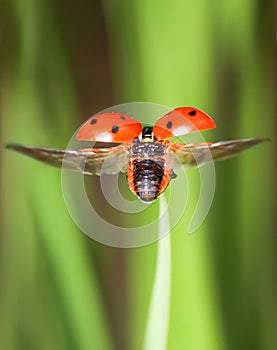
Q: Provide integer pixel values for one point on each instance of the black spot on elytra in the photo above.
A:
(115, 129)
(169, 125)
(122, 117)
(93, 121)
(192, 113)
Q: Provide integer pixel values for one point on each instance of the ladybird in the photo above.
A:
(144, 153)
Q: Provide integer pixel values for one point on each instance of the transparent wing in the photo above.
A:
(92, 161)
(197, 154)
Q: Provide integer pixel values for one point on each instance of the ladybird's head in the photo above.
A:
(147, 134)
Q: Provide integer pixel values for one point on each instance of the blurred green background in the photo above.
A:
(63, 61)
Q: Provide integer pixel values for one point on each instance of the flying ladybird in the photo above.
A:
(143, 153)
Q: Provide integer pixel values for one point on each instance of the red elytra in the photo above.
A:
(118, 127)
(109, 127)
(181, 121)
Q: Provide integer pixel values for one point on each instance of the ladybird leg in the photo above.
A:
(173, 175)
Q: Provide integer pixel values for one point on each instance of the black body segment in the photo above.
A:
(148, 178)
(147, 173)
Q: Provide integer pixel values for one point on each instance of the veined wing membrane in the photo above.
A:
(197, 154)
(92, 161)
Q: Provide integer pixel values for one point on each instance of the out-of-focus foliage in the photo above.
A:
(50, 295)
(60, 290)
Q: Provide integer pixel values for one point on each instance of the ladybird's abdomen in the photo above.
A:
(147, 174)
